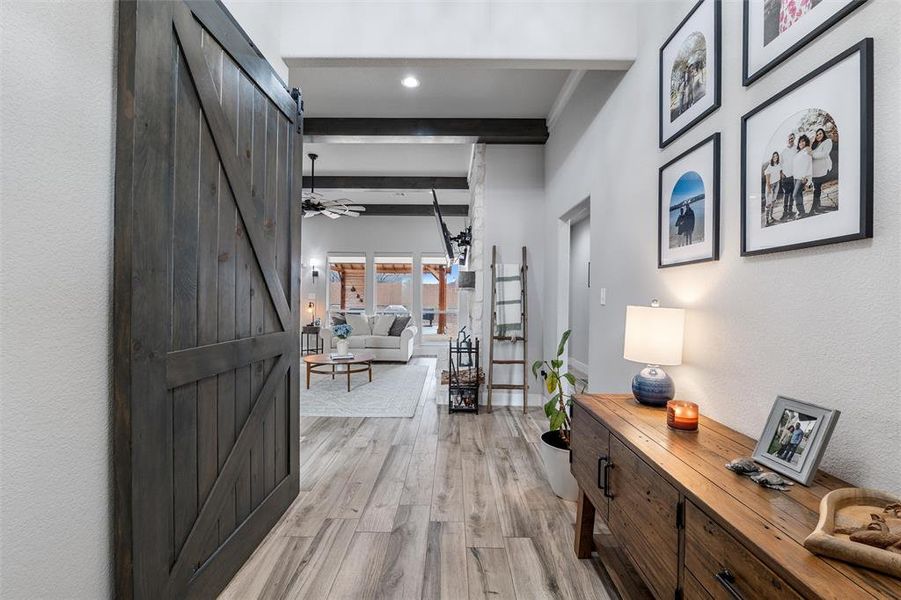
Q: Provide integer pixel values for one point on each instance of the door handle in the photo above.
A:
(727, 580)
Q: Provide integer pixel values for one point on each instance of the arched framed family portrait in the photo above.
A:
(807, 159)
(690, 71)
(688, 206)
(773, 30)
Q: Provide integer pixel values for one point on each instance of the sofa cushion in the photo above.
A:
(383, 341)
(400, 323)
(382, 324)
(339, 319)
(360, 325)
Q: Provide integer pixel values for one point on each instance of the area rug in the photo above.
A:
(394, 392)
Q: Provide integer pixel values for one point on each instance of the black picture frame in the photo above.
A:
(717, 66)
(865, 229)
(714, 203)
(749, 78)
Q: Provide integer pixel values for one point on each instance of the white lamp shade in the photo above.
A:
(654, 335)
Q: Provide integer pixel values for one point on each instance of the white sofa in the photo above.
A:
(384, 347)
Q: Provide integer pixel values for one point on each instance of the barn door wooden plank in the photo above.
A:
(143, 185)
(184, 297)
(243, 289)
(224, 141)
(227, 294)
(189, 554)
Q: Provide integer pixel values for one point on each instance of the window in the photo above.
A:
(439, 298)
(393, 284)
(346, 284)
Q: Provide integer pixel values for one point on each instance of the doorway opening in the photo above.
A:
(574, 283)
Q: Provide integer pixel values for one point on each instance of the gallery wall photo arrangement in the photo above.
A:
(773, 30)
(807, 159)
(688, 206)
(690, 71)
(794, 438)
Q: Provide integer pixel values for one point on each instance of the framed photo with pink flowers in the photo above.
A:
(776, 29)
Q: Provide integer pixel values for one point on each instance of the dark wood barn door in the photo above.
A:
(207, 243)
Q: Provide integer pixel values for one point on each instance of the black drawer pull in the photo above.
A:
(607, 466)
(727, 580)
(602, 460)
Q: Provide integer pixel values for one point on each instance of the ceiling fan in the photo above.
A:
(314, 203)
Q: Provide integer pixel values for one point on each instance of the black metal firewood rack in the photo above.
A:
(464, 377)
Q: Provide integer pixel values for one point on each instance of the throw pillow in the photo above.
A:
(400, 323)
(382, 324)
(339, 319)
(359, 323)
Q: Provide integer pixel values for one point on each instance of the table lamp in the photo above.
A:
(654, 337)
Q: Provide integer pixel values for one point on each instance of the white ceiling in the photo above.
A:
(367, 91)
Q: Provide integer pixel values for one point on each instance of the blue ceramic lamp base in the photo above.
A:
(653, 386)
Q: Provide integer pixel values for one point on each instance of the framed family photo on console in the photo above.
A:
(776, 29)
(688, 206)
(807, 159)
(690, 71)
(794, 438)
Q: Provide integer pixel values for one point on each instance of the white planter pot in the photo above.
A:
(342, 346)
(556, 466)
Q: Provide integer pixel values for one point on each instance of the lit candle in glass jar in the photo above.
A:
(681, 414)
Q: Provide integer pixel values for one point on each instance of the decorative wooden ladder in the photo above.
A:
(524, 386)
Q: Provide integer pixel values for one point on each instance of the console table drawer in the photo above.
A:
(723, 566)
(590, 455)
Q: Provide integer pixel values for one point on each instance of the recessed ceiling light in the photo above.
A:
(410, 82)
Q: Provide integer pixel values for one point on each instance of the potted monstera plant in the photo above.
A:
(554, 447)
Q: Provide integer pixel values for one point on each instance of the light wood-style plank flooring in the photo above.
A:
(436, 506)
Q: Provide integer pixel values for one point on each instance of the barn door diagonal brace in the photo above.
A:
(223, 138)
(228, 475)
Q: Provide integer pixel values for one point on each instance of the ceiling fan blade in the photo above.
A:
(310, 213)
(330, 214)
(356, 208)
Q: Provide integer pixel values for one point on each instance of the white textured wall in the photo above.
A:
(56, 104)
(514, 203)
(821, 324)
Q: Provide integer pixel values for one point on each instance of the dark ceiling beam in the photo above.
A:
(413, 210)
(381, 183)
(338, 130)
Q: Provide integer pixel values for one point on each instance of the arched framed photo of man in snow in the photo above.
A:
(688, 200)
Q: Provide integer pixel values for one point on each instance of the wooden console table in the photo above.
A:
(689, 527)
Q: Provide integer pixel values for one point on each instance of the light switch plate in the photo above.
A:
(603, 296)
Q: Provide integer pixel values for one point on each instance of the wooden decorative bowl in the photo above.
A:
(850, 507)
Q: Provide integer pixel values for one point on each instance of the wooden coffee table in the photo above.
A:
(321, 364)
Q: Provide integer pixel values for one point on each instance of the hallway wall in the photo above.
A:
(820, 324)
(57, 98)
